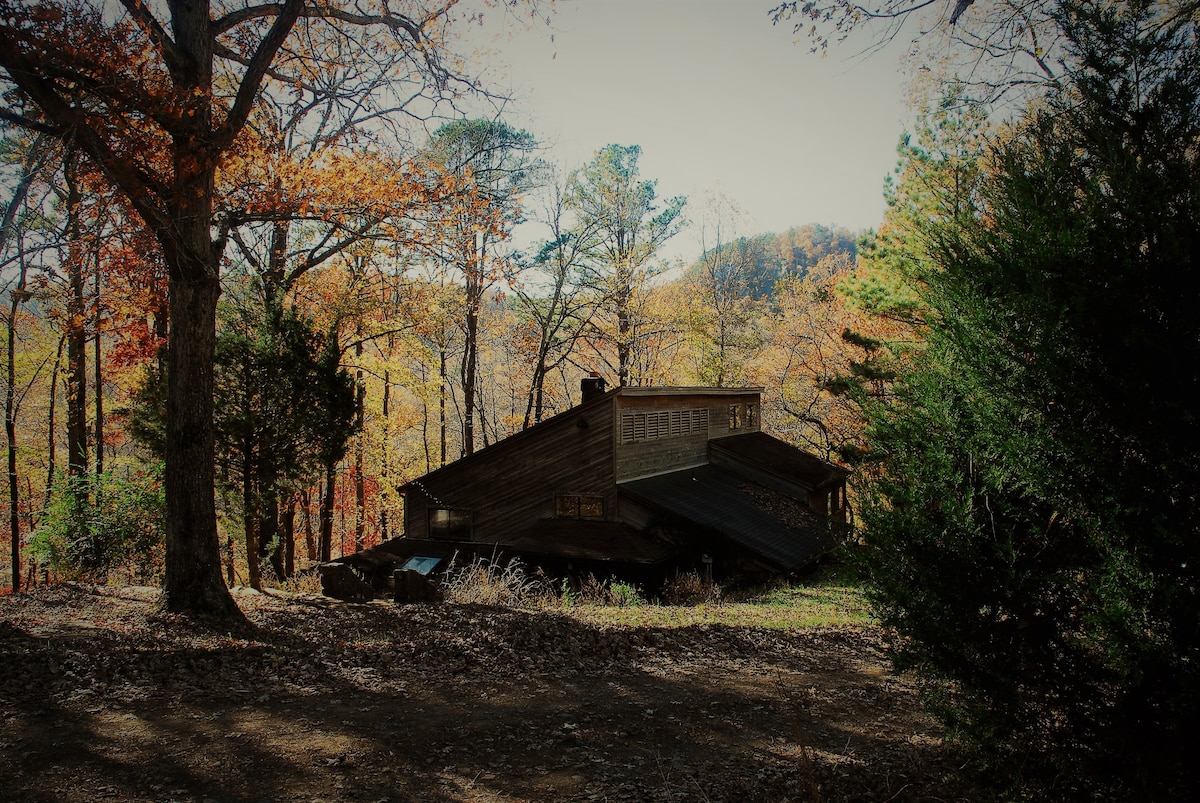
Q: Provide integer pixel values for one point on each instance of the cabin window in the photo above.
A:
(449, 523)
(591, 507)
(743, 416)
(573, 506)
(566, 507)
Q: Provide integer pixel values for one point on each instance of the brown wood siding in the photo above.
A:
(512, 484)
(648, 456)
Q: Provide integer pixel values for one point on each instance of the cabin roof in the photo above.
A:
(660, 390)
(571, 414)
(767, 453)
(738, 510)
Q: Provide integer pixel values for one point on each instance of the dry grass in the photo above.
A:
(689, 588)
(825, 600)
(484, 582)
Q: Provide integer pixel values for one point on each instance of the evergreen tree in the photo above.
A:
(492, 166)
(1031, 518)
(609, 195)
(284, 409)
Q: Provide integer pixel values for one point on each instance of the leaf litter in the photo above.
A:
(103, 697)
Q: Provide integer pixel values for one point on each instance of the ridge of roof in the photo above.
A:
(684, 390)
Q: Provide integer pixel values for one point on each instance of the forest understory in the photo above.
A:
(101, 697)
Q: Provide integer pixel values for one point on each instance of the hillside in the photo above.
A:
(764, 259)
(318, 700)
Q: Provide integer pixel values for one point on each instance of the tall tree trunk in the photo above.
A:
(97, 382)
(624, 327)
(476, 252)
(309, 539)
(425, 429)
(533, 403)
(383, 471)
(468, 377)
(442, 403)
(51, 422)
(10, 429)
(192, 581)
(230, 576)
(287, 532)
(17, 296)
(76, 332)
(269, 544)
(250, 529)
(326, 519)
(360, 489)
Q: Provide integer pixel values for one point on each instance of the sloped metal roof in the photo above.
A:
(722, 502)
(780, 458)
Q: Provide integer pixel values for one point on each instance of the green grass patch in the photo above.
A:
(825, 600)
(829, 596)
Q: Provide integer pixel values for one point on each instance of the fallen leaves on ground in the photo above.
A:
(103, 698)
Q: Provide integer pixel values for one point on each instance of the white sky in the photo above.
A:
(718, 98)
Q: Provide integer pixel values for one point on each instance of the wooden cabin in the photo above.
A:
(636, 483)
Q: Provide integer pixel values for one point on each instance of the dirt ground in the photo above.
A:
(327, 701)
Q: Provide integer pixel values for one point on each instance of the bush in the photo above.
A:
(590, 590)
(94, 526)
(625, 595)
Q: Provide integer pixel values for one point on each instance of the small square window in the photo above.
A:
(591, 507)
(566, 507)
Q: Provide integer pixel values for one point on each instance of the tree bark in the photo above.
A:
(442, 404)
(287, 532)
(469, 363)
(326, 519)
(192, 580)
(10, 429)
(51, 422)
(269, 545)
(309, 539)
(250, 531)
(97, 382)
(383, 471)
(622, 300)
(16, 296)
(76, 333)
(360, 489)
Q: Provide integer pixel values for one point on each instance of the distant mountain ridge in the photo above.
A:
(796, 251)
